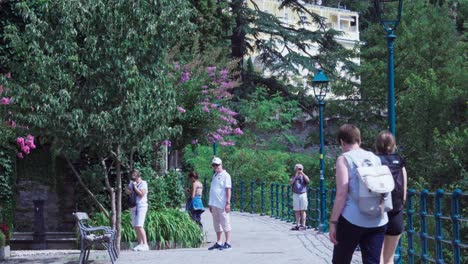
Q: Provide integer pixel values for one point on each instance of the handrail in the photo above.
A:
(435, 222)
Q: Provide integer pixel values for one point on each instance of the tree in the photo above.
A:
(89, 77)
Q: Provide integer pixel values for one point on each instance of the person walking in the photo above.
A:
(385, 146)
(299, 183)
(196, 203)
(220, 204)
(138, 213)
(349, 227)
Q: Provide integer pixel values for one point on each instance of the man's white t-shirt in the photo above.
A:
(219, 183)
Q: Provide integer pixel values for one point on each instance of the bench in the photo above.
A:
(90, 236)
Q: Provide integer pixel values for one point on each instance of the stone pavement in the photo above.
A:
(255, 239)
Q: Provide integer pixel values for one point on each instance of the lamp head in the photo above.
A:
(320, 85)
(389, 13)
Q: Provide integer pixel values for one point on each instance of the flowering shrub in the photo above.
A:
(25, 145)
(6, 231)
(203, 99)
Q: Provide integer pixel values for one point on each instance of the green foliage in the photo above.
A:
(270, 116)
(258, 165)
(164, 228)
(2, 240)
(166, 191)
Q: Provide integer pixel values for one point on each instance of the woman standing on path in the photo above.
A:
(196, 206)
(385, 146)
(350, 227)
(138, 213)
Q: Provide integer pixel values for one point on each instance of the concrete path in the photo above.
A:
(255, 239)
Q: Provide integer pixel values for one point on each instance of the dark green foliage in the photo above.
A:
(165, 228)
(166, 191)
(258, 165)
(2, 240)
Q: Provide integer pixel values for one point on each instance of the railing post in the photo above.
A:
(317, 207)
(410, 232)
(277, 200)
(288, 202)
(252, 197)
(282, 202)
(242, 196)
(423, 233)
(309, 219)
(272, 185)
(262, 198)
(438, 222)
(456, 226)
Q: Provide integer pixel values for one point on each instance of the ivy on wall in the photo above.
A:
(7, 187)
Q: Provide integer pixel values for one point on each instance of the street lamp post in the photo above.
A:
(320, 87)
(389, 14)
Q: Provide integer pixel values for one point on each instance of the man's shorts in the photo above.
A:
(138, 216)
(221, 219)
(300, 202)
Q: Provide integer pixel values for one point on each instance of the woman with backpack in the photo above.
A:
(350, 225)
(385, 147)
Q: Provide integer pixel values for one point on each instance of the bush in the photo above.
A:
(165, 228)
(259, 165)
(2, 240)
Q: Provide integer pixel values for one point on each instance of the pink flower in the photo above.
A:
(206, 109)
(20, 141)
(211, 71)
(25, 149)
(194, 141)
(204, 92)
(176, 65)
(204, 87)
(20, 155)
(30, 141)
(185, 77)
(5, 101)
(213, 105)
(167, 143)
(8, 75)
(238, 131)
(227, 143)
(223, 73)
(181, 109)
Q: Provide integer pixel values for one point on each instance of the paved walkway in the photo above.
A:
(255, 239)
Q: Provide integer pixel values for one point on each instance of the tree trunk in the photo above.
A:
(119, 199)
(111, 192)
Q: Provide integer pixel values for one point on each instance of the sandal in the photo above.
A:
(295, 228)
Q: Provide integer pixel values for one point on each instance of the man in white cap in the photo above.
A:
(299, 186)
(220, 204)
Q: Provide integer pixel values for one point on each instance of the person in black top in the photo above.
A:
(385, 146)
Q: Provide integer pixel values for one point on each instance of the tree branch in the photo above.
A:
(78, 177)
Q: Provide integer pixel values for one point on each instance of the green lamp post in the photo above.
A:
(321, 88)
(389, 15)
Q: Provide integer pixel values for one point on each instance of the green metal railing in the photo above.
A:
(436, 227)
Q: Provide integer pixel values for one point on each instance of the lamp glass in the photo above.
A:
(389, 12)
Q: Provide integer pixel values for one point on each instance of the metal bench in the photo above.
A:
(90, 236)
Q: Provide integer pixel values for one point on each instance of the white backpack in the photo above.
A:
(375, 186)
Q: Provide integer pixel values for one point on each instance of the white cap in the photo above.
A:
(299, 166)
(216, 161)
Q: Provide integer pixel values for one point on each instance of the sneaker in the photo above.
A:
(137, 248)
(295, 228)
(215, 246)
(144, 247)
(302, 228)
(226, 246)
